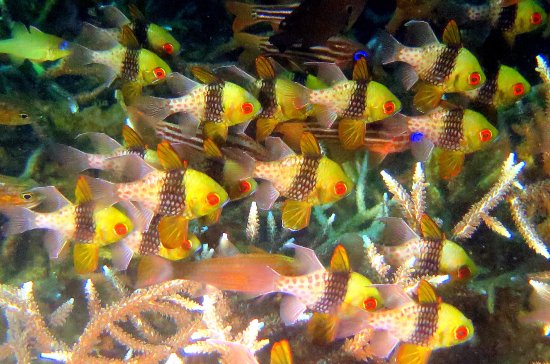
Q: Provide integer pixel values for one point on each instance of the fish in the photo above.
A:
(306, 180)
(149, 35)
(15, 191)
(34, 45)
(12, 115)
(281, 353)
(456, 131)
(247, 15)
(411, 9)
(313, 22)
(443, 67)
(88, 224)
(426, 324)
(540, 303)
(502, 89)
(216, 103)
(432, 252)
(176, 192)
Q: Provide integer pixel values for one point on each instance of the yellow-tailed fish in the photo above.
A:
(502, 89)
(426, 324)
(306, 180)
(177, 193)
(216, 103)
(540, 305)
(432, 252)
(149, 35)
(444, 67)
(88, 224)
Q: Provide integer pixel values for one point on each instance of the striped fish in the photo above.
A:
(247, 15)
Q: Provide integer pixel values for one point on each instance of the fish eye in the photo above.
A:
(416, 137)
(247, 108)
(461, 332)
(23, 115)
(359, 54)
(187, 244)
(244, 186)
(159, 73)
(63, 45)
(485, 135)
(464, 272)
(340, 188)
(536, 18)
(168, 48)
(26, 196)
(474, 79)
(389, 107)
(121, 229)
(518, 89)
(213, 199)
(370, 304)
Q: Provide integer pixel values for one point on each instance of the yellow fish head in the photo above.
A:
(239, 105)
(183, 251)
(203, 195)
(152, 68)
(467, 73)
(361, 294)
(529, 17)
(511, 87)
(162, 42)
(453, 327)
(332, 183)
(241, 189)
(111, 225)
(380, 101)
(456, 262)
(478, 131)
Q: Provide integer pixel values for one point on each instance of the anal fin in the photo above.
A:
(296, 214)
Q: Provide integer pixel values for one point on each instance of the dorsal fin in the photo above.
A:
(204, 75)
(264, 68)
(128, 38)
(340, 261)
(131, 138)
(426, 293)
(451, 35)
(135, 13)
(360, 70)
(83, 192)
(309, 145)
(429, 229)
(168, 157)
(211, 149)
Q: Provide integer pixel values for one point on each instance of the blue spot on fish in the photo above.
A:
(63, 45)
(416, 137)
(359, 54)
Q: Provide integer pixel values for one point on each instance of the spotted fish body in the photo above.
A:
(500, 17)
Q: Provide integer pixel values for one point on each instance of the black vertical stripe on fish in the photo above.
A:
(356, 106)
(85, 225)
(443, 66)
(336, 286)
(487, 91)
(425, 324)
(172, 193)
(267, 99)
(305, 180)
(507, 17)
(140, 29)
(427, 263)
(214, 106)
(150, 239)
(130, 64)
(453, 133)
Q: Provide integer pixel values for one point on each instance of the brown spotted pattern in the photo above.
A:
(140, 28)
(426, 319)
(150, 239)
(442, 67)
(305, 180)
(130, 65)
(172, 193)
(336, 285)
(356, 106)
(487, 91)
(507, 17)
(267, 99)
(85, 225)
(427, 262)
(213, 101)
(452, 136)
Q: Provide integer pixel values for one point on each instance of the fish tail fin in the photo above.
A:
(19, 220)
(155, 107)
(389, 48)
(239, 165)
(244, 15)
(72, 159)
(103, 191)
(153, 270)
(80, 56)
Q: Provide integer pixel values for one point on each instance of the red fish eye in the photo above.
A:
(244, 186)
(370, 304)
(485, 135)
(121, 229)
(518, 89)
(536, 18)
(187, 244)
(159, 72)
(340, 188)
(464, 272)
(168, 48)
(461, 332)
(247, 108)
(474, 79)
(213, 199)
(389, 108)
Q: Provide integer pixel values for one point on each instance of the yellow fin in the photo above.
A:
(340, 261)
(264, 68)
(204, 75)
(19, 30)
(128, 38)
(211, 149)
(292, 132)
(296, 214)
(212, 217)
(411, 354)
(322, 328)
(309, 145)
(429, 229)
(351, 133)
(360, 70)
(280, 353)
(216, 131)
(135, 13)
(85, 258)
(451, 35)
(427, 97)
(450, 164)
(131, 90)
(83, 192)
(173, 231)
(168, 157)
(426, 293)
(131, 138)
(264, 128)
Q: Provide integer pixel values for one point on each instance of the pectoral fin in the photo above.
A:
(264, 128)
(212, 217)
(352, 133)
(428, 97)
(450, 164)
(322, 328)
(216, 131)
(85, 258)
(173, 231)
(296, 214)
